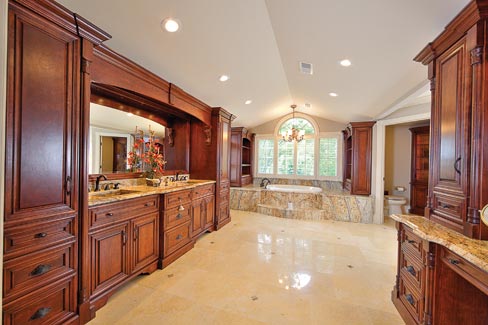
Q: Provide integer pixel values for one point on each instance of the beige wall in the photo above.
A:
(398, 146)
(3, 75)
(324, 126)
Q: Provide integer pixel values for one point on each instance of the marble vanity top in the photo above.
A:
(474, 251)
(130, 192)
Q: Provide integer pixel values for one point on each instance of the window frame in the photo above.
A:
(276, 137)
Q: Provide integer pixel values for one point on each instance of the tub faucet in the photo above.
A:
(267, 183)
(97, 182)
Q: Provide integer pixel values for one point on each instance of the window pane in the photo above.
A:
(299, 123)
(305, 157)
(265, 156)
(328, 157)
(285, 158)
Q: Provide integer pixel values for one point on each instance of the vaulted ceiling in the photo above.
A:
(259, 44)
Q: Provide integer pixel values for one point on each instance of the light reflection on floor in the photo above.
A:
(265, 270)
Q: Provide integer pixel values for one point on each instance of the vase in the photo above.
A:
(153, 182)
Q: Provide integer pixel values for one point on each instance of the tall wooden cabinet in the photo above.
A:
(419, 174)
(41, 172)
(241, 157)
(459, 123)
(357, 157)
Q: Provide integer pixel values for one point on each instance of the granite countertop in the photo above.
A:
(97, 198)
(473, 250)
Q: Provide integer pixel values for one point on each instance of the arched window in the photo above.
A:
(316, 156)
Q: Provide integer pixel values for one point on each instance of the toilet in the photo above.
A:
(394, 204)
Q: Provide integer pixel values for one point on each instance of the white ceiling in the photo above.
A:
(259, 44)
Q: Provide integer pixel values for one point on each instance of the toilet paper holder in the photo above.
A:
(400, 188)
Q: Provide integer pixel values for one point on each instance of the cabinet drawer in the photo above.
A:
(449, 207)
(118, 211)
(411, 243)
(176, 198)
(174, 217)
(54, 304)
(203, 190)
(33, 271)
(34, 237)
(176, 238)
(411, 300)
(473, 274)
(412, 271)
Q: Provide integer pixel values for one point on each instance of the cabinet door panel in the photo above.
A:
(109, 257)
(197, 212)
(209, 211)
(42, 109)
(145, 237)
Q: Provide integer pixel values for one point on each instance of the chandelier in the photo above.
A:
(293, 134)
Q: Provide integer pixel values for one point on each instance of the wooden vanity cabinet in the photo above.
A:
(358, 139)
(437, 286)
(124, 242)
(175, 229)
(203, 209)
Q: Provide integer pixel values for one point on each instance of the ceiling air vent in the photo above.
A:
(306, 68)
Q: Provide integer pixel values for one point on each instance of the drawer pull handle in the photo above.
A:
(110, 214)
(456, 165)
(41, 313)
(40, 269)
(410, 299)
(179, 216)
(179, 237)
(124, 237)
(147, 204)
(40, 235)
(411, 241)
(453, 262)
(445, 206)
(411, 270)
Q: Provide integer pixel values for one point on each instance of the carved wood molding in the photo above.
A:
(476, 55)
(171, 136)
(207, 131)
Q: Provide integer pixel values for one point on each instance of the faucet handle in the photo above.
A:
(116, 186)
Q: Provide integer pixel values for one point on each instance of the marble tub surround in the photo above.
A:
(326, 186)
(265, 270)
(305, 206)
(474, 251)
(97, 198)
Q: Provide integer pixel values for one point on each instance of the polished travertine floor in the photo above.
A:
(266, 270)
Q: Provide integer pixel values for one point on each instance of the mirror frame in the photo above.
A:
(130, 102)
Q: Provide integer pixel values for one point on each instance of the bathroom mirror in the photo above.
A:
(112, 134)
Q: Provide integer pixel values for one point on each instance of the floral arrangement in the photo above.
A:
(146, 155)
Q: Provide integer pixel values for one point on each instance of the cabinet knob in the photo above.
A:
(179, 237)
(411, 270)
(453, 261)
(410, 299)
(40, 235)
(109, 214)
(41, 269)
(411, 241)
(40, 313)
(147, 204)
(179, 216)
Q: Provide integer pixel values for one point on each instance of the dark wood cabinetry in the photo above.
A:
(458, 167)
(357, 157)
(241, 157)
(419, 175)
(437, 286)
(203, 209)
(123, 242)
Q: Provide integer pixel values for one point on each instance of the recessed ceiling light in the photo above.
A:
(345, 63)
(171, 24)
(247, 102)
(130, 114)
(333, 94)
(224, 78)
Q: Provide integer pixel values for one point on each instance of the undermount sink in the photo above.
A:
(114, 192)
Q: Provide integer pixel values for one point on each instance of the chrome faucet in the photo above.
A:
(97, 182)
(267, 182)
